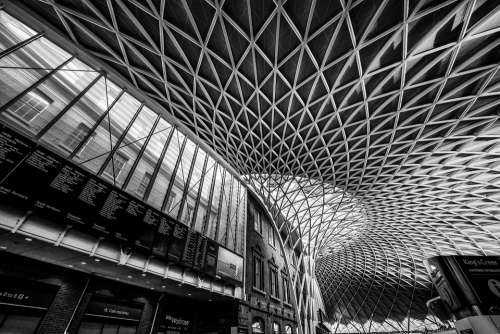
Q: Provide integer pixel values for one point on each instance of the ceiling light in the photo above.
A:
(70, 265)
(163, 286)
(83, 262)
(28, 239)
(143, 274)
(97, 260)
(129, 276)
(189, 294)
(3, 247)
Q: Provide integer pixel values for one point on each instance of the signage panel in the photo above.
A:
(35, 178)
(210, 264)
(102, 308)
(483, 275)
(26, 293)
(229, 265)
(13, 149)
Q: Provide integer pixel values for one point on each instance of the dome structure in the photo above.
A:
(370, 129)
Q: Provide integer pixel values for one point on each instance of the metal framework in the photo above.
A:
(369, 128)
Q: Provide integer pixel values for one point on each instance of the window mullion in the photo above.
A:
(54, 120)
(186, 186)
(16, 47)
(159, 163)
(173, 175)
(117, 144)
(141, 152)
(200, 189)
(94, 128)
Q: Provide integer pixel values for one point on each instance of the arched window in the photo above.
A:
(288, 329)
(276, 328)
(258, 325)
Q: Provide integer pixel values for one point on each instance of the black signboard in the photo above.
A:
(201, 253)
(28, 181)
(483, 275)
(13, 149)
(89, 202)
(163, 236)
(190, 248)
(61, 194)
(145, 233)
(22, 293)
(37, 179)
(210, 265)
(177, 242)
(109, 309)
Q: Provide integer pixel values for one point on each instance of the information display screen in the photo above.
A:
(483, 275)
(34, 178)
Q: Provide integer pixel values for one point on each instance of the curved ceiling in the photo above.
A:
(372, 125)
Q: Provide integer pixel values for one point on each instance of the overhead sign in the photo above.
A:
(229, 265)
(483, 275)
(35, 178)
(109, 309)
(28, 294)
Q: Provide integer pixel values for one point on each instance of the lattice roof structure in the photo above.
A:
(371, 127)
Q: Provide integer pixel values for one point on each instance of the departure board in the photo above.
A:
(37, 179)
(13, 149)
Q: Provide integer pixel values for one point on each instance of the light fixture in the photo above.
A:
(83, 262)
(70, 265)
(143, 274)
(189, 294)
(28, 239)
(97, 260)
(163, 286)
(3, 247)
(129, 276)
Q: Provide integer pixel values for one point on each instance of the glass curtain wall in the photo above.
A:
(75, 110)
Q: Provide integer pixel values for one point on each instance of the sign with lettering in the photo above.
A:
(23, 293)
(102, 308)
(176, 323)
(210, 264)
(483, 274)
(35, 178)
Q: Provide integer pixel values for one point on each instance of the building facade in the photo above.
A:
(113, 216)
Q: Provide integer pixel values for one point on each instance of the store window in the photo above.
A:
(18, 323)
(258, 325)
(288, 329)
(273, 281)
(29, 106)
(258, 272)
(276, 328)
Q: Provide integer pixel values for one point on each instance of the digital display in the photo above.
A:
(34, 178)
